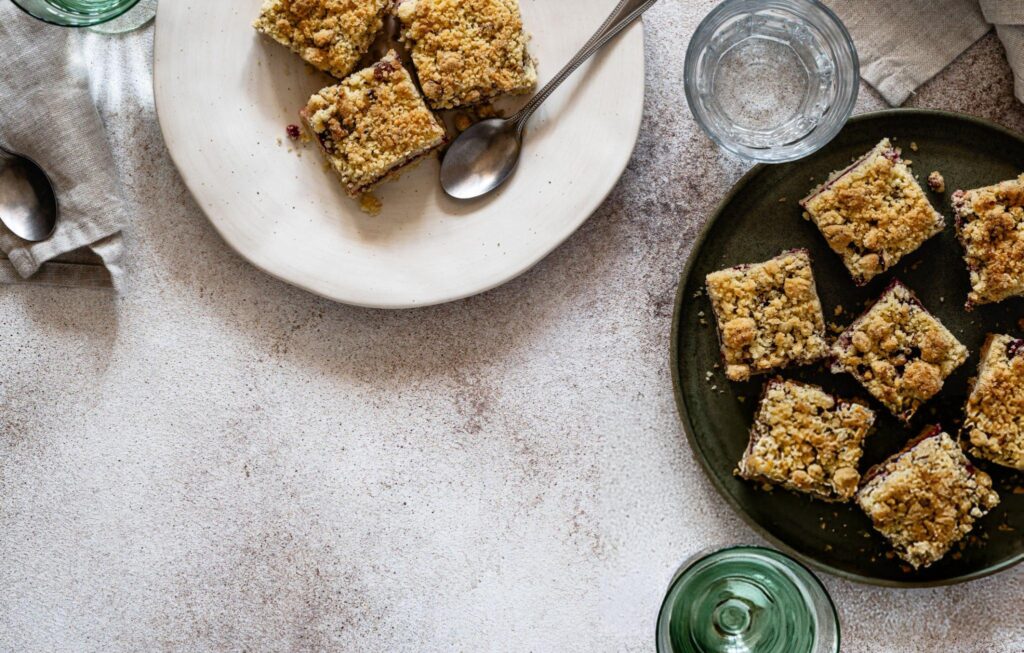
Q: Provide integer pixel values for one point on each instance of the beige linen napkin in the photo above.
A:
(903, 44)
(46, 113)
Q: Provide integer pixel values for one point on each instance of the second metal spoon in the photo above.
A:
(484, 156)
(28, 205)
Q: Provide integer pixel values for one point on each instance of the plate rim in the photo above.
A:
(683, 412)
(590, 206)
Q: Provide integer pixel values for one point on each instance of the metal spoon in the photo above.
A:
(28, 205)
(485, 155)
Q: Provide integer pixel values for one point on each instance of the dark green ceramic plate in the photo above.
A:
(753, 224)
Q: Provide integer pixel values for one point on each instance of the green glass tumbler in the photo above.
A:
(746, 599)
(91, 13)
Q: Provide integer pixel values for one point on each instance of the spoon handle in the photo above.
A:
(624, 14)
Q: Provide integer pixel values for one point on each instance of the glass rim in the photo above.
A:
(811, 142)
(61, 18)
(703, 554)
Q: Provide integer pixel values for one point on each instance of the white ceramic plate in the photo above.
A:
(225, 94)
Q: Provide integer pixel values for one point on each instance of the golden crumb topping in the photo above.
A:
(995, 409)
(768, 315)
(899, 351)
(467, 51)
(331, 35)
(372, 124)
(805, 440)
(926, 498)
(991, 228)
(873, 213)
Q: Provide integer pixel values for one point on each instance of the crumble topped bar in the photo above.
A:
(331, 35)
(806, 440)
(990, 224)
(768, 314)
(873, 213)
(467, 51)
(373, 124)
(995, 408)
(899, 352)
(926, 498)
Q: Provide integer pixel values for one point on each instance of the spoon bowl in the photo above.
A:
(28, 204)
(481, 159)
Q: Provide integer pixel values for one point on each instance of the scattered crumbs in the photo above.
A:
(889, 555)
(703, 322)
(942, 300)
(782, 200)
(708, 375)
(700, 313)
(279, 141)
(742, 399)
(828, 547)
(906, 569)
(1019, 489)
(956, 555)
(718, 366)
(839, 310)
(913, 146)
(369, 204)
(698, 293)
(1004, 528)
(865, 534)
(714, 387)
(293, 132)
(936, 182)
(766, 487)
(835, 328)
(874, 559)
(462, 121)
(822, 525)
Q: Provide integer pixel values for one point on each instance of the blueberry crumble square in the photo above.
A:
(995, 408)
(990, 225)
(926, 498)
(806, 440)
(373, 125)
(899, 352)
(330, 35)
(467, 51)
(873, 213)
(768, 315)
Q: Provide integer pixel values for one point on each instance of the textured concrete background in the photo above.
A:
(215, 461)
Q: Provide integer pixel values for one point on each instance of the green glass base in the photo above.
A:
(747, 599)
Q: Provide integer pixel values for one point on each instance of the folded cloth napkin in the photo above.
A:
(47, 113)
(904, 44)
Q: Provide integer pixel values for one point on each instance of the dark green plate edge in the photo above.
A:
(681, 404)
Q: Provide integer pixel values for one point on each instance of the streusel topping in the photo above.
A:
(926, 498)
(805, 440)
(372, 124)
(768, 315)
(995, 409)
(331, 35)
(873, 213)
(991, 227)
(899, 351)
(467, 51)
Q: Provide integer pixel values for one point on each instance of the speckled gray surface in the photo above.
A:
(215, 461)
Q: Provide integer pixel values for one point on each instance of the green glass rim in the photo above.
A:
(711, 552)
(53, 15)
(683, 411)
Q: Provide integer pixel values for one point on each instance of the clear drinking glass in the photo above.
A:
(110, 16)
(771, 80)
(746, 599)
